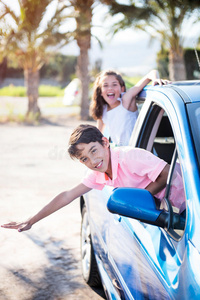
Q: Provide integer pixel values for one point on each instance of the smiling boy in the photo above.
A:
(119, 167)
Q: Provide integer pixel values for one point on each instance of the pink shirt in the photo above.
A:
(131, 167)
(137, 168)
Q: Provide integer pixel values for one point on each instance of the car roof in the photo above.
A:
(188, 90)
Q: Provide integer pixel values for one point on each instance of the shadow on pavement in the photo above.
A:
(58, 279)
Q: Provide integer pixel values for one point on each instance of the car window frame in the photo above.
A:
(146, 140)
(191, 109)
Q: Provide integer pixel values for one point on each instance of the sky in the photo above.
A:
(129, 51)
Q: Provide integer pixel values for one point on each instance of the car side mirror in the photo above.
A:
(141, 205)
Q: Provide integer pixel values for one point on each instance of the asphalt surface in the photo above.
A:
(43, 263)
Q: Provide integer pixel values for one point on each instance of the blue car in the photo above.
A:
(139, 247)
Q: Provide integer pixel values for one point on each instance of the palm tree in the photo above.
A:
(82, 34)
(83, 16)
(165, 20)
(33, 56)
(27, 41)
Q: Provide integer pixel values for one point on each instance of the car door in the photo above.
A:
(146, 258)
(99, 220)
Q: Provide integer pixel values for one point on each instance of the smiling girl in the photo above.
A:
(115, 108)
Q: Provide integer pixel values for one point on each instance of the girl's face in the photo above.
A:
(111, 90)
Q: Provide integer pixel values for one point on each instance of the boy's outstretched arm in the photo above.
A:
(58, 202)
(160, 183)
(129, 98)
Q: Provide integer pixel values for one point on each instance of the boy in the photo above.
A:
(119, 167)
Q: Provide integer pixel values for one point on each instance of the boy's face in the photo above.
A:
(111, 90)
(95, 156)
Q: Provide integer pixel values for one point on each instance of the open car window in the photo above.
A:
(158, 138)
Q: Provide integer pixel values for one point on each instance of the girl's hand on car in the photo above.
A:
(160, 81)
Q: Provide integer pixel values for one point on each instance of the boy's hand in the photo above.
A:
(19, 226)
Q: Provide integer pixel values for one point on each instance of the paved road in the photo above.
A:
(48, 105)
(43, 263)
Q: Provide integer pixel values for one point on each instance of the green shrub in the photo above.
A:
(50, 91)
(162, 61)
(191, 63)
(131, 81)
(13, 91)
(44, 91)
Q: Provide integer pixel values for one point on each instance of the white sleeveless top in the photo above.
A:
(120, 123)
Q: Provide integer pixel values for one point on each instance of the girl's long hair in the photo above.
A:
(97, 103)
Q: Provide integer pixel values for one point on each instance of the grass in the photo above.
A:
(51, 91)
(13, 91)
(130, 81)
(20, 91)
(44, 91)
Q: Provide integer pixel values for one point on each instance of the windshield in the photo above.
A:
(194, 118)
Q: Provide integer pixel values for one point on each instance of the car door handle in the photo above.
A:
(117, 219)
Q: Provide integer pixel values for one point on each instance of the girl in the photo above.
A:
(114, 107)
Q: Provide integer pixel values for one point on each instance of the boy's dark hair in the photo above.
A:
(86, 134)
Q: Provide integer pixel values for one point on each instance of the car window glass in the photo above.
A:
(194, 119)
(164, 144)
(177, 200)
(161, 142)
(164, 147)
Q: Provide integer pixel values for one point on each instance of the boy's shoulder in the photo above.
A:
(123, 148)
(122, 151)
(129, 153)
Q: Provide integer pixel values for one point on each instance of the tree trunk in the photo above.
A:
(32, 84)
(83, 62)
(83, 38)
(3, 69)
(177, 69)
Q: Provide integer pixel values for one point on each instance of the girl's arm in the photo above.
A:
(100, 125)
(129, 98)
(160, 183)
(58, 202)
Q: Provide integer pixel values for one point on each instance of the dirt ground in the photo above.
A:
(43, 263)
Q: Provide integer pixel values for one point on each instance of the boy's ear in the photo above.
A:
(105, 142)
